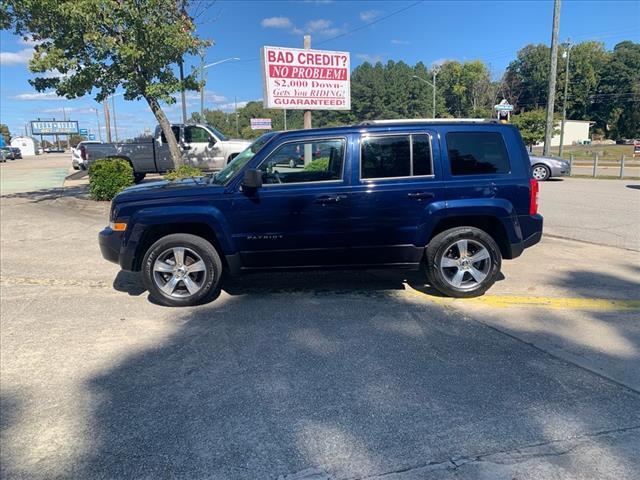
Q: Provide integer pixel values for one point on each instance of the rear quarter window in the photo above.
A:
(477, 153)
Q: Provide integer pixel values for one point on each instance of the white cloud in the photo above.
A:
(369, 15)
(29, 42)
(400, 42)
(318, 25)
(276, 22)
(16, 58)
(75, 110)
(440, 61)
(38, 96)
(371, 58)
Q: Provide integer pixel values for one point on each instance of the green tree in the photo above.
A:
(6, 134)
(103, 45)
(616, 104)
(74, 140)
(531, 125)
(530, 72)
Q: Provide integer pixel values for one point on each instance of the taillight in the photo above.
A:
(534, 188)
(83, 152)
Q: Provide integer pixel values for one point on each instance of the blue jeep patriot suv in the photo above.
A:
(453, 196)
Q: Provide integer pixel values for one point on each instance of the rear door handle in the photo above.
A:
(420, 195)
(324, 199)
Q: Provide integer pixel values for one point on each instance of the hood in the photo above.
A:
(166, 188)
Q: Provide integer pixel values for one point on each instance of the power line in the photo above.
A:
(373, 22)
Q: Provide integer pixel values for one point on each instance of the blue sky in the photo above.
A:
(427, 31)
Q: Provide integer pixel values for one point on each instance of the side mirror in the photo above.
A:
(212, 141)
(252, 179)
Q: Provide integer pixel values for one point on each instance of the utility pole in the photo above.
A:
(435, 72)
(566, 54)
(98, 121)
(115, 125)
(64, 115)
(235, 111)
(202, 86)
(107, 121)
(551, 95)
(285, 119)
(307, 113)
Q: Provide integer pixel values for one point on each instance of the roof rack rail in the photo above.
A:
(428, 120)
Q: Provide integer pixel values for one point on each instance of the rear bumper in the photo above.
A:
(110, 242)
(531, 228)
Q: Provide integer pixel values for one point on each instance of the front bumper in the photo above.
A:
(560, 171)
(110, 242)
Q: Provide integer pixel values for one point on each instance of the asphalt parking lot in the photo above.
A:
(327, 375)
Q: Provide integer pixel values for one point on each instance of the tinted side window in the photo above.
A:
(474, 153)
(422, 155)
(384, 157)
(176, 132)
(324, 162)
(196, 135)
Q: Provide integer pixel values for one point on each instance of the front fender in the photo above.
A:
(144, 219)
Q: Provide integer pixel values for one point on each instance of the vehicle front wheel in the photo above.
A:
(463, 262)
(540, 172)
(138, 177)
(181, 270)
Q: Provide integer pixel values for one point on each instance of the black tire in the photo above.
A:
(210, 277)
(540, 172)
(138, 177)
(444, 245)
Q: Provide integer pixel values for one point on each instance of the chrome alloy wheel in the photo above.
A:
(539, 172)
(465, 264)
(179, 272)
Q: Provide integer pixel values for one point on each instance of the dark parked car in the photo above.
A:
(455, 197)
(11, 154)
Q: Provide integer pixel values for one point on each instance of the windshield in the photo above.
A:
(217, 133)
(225, 175)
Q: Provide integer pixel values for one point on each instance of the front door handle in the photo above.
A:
(420, 195)
(324, 199)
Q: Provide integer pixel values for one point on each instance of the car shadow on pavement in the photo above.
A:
(318, 282)
(269, 384)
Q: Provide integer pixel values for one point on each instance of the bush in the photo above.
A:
(108, 177)
(183, 171)
(318, 165)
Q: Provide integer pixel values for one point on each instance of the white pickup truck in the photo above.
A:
(202, 146)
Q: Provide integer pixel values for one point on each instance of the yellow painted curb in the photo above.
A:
(561, 303)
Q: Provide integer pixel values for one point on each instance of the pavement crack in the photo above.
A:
(512, 455)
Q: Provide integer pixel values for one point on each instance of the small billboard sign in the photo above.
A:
(92, 136)
(305, 79)
(39, 127)
(503, 106)
(83, 131)
(260, 124)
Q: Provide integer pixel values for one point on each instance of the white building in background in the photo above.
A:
(575, 132)
(27, 145)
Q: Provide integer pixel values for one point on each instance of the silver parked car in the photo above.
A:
(543, 168)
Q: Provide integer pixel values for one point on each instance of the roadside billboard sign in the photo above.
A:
(260, 124)
(41, 127)
(503, 106)
(83, 131)
(304, 79)
(92, 136)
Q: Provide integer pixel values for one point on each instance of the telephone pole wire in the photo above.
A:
(551, 95)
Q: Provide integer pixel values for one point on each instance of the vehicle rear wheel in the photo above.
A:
(138, 177)
(181, 270)
(463, 262)
(540, 172)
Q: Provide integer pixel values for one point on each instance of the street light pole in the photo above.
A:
(98, 121)
(567, 52)
(433, 86)
(202, 69)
